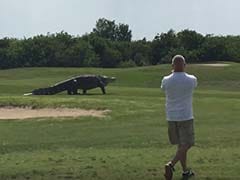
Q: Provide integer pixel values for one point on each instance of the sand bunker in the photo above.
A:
(26, 113)
(215, 65)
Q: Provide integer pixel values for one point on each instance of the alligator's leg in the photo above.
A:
(84, 91)
(102, 86)
(75, 91)
(51, 91)
(103, 89)
(69, 91)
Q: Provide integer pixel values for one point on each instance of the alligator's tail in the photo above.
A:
(57, 88)
(48, 91)
(44, 91)
(28, 94)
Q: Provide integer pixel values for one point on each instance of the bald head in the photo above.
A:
(178, 63)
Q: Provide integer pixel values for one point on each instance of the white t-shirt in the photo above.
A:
(178, 88)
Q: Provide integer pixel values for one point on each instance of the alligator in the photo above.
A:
(83, 82)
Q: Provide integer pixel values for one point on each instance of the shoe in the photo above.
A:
(187, 174)
(169, 171)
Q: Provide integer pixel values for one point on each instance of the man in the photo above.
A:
(178, 88)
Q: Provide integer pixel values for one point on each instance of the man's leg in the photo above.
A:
(180, 133)
(174, 139)
(181, 155)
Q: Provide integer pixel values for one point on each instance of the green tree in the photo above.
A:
(106, 29)
(141, 52)
(110, 30)
(190, 40)
(4, 45)
(123, 33)
(214, 49)
(111, 58)
(162, 45)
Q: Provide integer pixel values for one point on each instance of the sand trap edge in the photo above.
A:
(24, 113)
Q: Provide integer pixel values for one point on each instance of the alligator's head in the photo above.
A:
(106, 79)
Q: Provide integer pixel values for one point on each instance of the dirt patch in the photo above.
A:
(26, 113)
(215, 65)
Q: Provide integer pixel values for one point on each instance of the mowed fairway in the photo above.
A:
(131, 141)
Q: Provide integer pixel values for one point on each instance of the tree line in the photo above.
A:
(110, 45)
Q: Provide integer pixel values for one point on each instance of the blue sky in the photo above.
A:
(26, 18)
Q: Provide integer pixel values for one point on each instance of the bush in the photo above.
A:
(127, 64)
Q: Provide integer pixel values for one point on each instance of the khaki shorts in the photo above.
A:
(181, 132)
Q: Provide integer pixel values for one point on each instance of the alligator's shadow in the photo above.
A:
(93, 94)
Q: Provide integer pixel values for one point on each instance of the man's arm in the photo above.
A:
(163, 84)
(195, 82)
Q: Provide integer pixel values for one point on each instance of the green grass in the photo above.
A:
(131, 141)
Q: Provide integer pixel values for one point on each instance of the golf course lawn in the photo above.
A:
(131, 141)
